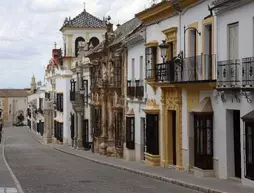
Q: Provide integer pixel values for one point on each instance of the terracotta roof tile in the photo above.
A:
(84, 19)
(14, 93)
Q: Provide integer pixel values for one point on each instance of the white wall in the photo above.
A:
(223, 120)
(244, 15)
(86, 34)
(134, 52)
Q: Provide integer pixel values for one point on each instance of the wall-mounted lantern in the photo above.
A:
(164, 47)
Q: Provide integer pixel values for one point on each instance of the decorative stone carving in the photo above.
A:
(151, 107)
(130, 113)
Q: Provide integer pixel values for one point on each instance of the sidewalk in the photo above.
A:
(7, 184)
(181, 178)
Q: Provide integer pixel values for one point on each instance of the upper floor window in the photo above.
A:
(233, 39)
(133, 69)
(141, 68)
(59, 102)
(151, 56)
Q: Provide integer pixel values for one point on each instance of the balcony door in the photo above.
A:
(208, 52)
(191, 65)
(233, 52)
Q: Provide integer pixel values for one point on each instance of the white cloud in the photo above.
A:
(29, 29)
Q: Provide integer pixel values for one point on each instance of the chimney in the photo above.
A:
(118, 25)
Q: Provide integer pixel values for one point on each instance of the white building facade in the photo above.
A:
(134, 147)
(80, 34)
(234, 139)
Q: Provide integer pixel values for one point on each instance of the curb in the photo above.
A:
(147, 174)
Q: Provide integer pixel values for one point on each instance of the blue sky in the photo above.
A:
(29, 29)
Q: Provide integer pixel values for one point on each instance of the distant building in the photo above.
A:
(13, 102)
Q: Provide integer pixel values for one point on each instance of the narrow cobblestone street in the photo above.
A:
(41, 169)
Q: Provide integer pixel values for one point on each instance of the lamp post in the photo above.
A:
(191, 28)
(164, 47)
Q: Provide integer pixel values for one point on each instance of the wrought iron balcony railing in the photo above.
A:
(228, 73)
(248, 72)
(192, 69)
(139, 93)
(165, 72)
(196, 69)
(130, 89)
(135, 89)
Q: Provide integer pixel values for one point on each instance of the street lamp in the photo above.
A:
(164, 47)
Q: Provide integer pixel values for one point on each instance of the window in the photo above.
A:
(130, 132)
(73, 89)
(151, 56)
(249, 150)
(233, 39)
(59, 102)
(203, 137)
(141, 68)
(133, 69)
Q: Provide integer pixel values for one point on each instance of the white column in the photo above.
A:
(80, 132)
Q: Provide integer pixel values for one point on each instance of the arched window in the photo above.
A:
(94, 41)
(79, 39)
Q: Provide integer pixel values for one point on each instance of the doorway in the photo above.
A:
(143, 137)
(237, 143)
(85, 134)
(172, 135)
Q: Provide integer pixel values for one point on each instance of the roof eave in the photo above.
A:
(62, 29)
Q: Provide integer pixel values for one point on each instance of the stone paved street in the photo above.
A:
(41, 169)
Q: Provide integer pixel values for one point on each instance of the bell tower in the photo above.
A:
(33, 84)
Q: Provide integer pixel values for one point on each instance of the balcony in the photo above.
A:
(165, 72)
(248, 73)
(228, 75)
(135, 89)
(196, 69)
(139, 89)
(130, 89)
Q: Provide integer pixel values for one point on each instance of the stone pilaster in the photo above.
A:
(48, 113)
(103, 145)
(103, 113)
(80, 132)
